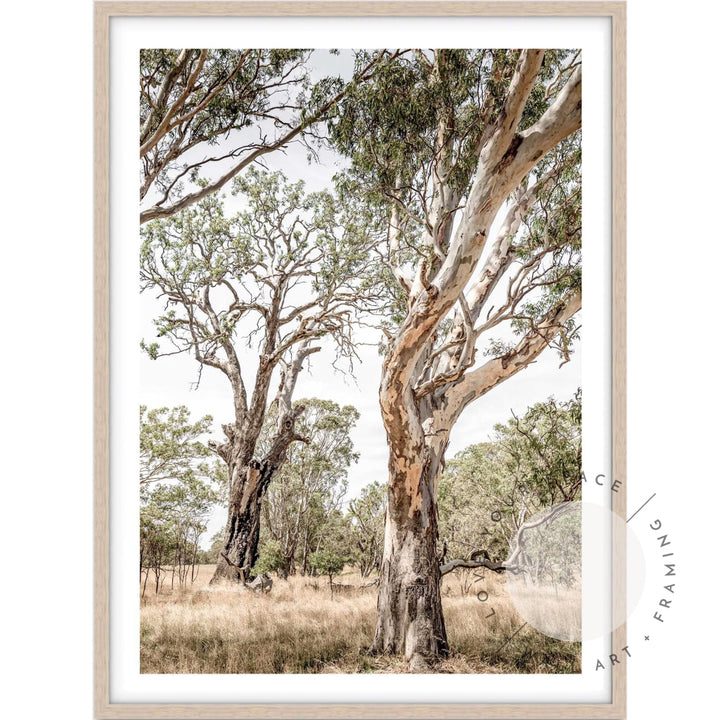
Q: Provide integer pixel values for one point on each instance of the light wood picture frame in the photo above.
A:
(105, 12)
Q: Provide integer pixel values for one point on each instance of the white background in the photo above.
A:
(47, 349)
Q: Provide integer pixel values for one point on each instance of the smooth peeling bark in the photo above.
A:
(410, 619)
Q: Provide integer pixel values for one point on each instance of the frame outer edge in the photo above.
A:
(101, 421)
(619, 342)
(349, 8)
(103, 11)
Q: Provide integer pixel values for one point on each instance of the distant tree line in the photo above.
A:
(486, 493)
(490, 490)
(305, 528)
(180, 482)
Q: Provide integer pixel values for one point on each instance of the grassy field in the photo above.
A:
(297, 628)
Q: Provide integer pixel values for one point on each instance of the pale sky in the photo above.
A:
(169, 381)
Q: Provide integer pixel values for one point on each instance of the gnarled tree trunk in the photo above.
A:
(247, 490)
(242, 531)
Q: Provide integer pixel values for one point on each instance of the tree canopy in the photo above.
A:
(208, 114)
(290, 268)
(419, 135)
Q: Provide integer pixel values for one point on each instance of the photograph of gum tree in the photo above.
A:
(344, 255)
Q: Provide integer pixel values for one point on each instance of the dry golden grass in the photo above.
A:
(297, 628)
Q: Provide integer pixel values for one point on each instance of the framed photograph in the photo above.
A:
(360, 360)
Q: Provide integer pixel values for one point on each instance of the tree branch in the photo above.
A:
(526, 70)
(289, 377)
(476, 383)
(158, 211)
(165, 123)
(158, 106)
(451, 565)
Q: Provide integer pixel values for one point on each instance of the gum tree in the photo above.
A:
(445, 145)
(278, 278)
